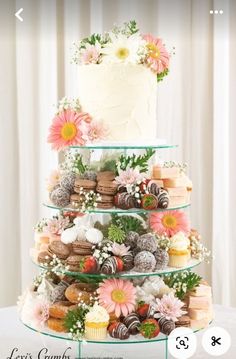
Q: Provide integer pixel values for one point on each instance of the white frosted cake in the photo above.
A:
(123, 96)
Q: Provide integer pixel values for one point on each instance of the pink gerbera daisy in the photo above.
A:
(169, 222)
(66, 129)
(117, 295)
(170, 307)
(157, 57)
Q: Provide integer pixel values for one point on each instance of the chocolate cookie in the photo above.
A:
(60, 249)
(82, 248)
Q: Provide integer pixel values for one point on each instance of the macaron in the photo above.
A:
(61, 250)
(82, 248)
(183, 321)
(107, 187)
(75, 200)
(44, 257)
(73, 262)
(105, 176)
(106, 202)
(85, 184)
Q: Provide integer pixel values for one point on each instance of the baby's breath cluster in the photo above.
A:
(163, 241)
(40, 225)
(182, 166)
(65, 103)
(198, 250)
(73, 162)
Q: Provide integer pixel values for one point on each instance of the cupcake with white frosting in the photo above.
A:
(96, 323)
(179, 253)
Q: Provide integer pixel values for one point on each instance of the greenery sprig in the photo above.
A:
(163, 74)
(182, 282)
(128, 223)
(136, 161)
(75, 321)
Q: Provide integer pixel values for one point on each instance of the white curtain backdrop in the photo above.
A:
(196, 109)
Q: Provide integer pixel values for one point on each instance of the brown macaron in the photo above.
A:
(85, 184)
(61, 250)
(107, 187)
(44, 257)
(73, 262)
(183, 321)
(105, 176)
(75, 200)
(82, 248)
(106, 202)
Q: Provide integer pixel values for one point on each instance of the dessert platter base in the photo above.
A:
(161, 339)
(131, 274)
(115, 210)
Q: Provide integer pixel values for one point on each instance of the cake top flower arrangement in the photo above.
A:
(125, 44)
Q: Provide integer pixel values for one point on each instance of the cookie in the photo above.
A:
(82, 248)
(61, 250)
(105, 176)
(106, 202)
(183, 321)
(60, 309)
(81, 292)
(73, 262)
(44, 257)
(107, 187)
(85, 184)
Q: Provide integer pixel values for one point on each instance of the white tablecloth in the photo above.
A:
(14, 335)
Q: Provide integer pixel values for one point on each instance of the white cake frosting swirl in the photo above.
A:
(123, 96)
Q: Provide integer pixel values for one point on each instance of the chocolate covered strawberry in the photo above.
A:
(149, 201)
(89, 265)
(142, 310)
(149, 328)
(119, 264)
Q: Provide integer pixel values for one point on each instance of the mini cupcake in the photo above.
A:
(179, 253)
(96, 323)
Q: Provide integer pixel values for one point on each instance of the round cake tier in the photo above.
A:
(134, 339)
(112, 93)
(115, 210)
(130, 274)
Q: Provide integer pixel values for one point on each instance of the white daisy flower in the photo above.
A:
(123, 49)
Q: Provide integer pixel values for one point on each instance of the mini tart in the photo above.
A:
(78, 292)
(59, 310)
(178, 258)
(57, 325)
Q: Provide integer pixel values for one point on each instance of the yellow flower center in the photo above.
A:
(154, 52)
(169, 221)
(122, 53)
(68, 131)
(118, 296)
